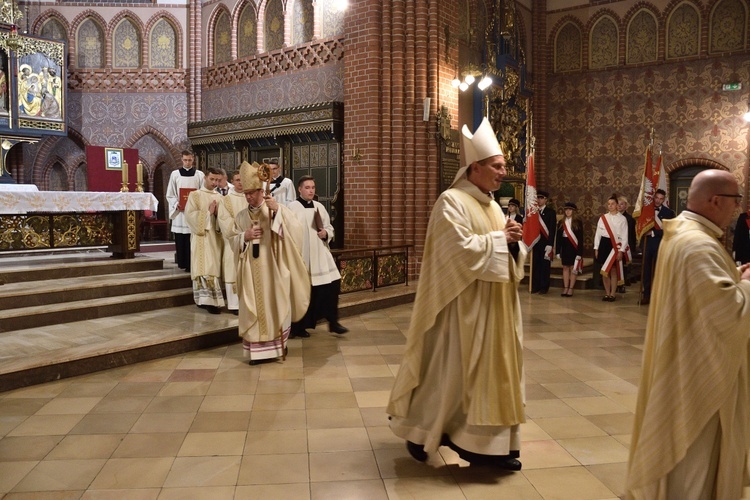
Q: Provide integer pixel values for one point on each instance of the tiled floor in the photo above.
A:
(207, 425)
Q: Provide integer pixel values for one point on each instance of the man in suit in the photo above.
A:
(542, 252)
(653, 240)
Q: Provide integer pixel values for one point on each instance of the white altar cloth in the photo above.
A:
(18, 187)
(21, 202)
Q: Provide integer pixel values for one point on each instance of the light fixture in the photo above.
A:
(455, 82)
(485, 82)
(469, 78)
(340, 5)
(746, 117)
(463, 87)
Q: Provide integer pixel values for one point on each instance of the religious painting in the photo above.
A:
(41, 86)
(3, 85)
(113, 158)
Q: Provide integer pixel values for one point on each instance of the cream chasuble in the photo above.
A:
(273, 289)
(695, 364)
(467, 292)
(315, 251)
(205, 247)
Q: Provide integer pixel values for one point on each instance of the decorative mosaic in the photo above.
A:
(296, 89)
(126, 46)
(728, 26)
(643, 37)
(568, 49)
(302, 21)
(356, 274)
(683, 32)
(391, 269)
(247, 39)
(114, 118)
(331, 19)
(599, 123)
(274, 25)
(290, 60)
(604, 43)
(163, 45)
(90, 45)
(53, 29)
(222, 39)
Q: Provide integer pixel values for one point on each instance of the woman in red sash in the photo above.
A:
(610, 241)
(569, 247)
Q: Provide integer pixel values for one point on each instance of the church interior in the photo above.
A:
(133, 392)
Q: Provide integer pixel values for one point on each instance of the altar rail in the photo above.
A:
(372, 267)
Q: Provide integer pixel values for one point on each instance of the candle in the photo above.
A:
(139, 172)
(125, 172)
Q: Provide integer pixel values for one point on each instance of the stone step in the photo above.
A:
(37, 268)
(53, 314)
(38, 293)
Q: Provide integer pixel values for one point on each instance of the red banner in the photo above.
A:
(644, 207)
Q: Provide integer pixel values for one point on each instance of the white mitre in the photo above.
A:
(477, 147)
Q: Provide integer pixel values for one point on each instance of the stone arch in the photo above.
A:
(239, 12)
(175, 154)
(630, 43)
(558, 59)
(284, 25)
(139, 28)
(678, 184)
(80, 164)
(211, 35)
(168, 17)
(694, 162)
(683, 50)
(39, 22)
(75, 26)
(718, 45)
(46, 172)
(603, 56)
(302, 28)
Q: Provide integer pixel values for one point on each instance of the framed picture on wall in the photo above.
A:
(113, 158)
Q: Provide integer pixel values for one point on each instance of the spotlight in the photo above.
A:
(484, 83)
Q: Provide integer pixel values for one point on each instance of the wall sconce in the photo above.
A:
(746, 116)
(356, 154)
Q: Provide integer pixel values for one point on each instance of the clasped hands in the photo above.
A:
(513, 231)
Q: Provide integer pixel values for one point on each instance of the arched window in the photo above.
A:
(727, 26)
(52, 28)
(643, 37)
(90, 45)
(302, 21)
(604, 43)
(126, 45)
(273, 29)
(568, 49)
(163, 45)
(80, 178)
(683, 31)
(222, 38)
(247, 32)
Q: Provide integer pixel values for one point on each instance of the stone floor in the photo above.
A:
(207, 425)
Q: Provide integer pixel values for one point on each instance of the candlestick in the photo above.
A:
(139, 172)
(124, 188)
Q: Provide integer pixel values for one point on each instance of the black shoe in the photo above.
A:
(543, 292)
(299, 335)
(235, 312)
(337, 328)
(213, 309)
(416, 451)
(621, 289)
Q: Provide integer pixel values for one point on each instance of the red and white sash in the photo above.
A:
(657, 220)
(543, 227)
(568, 228)
(612, 257)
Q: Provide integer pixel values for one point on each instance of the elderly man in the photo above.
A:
(461, 380)
(692, 423)
(272, 280)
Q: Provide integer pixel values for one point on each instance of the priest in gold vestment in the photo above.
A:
(692, 424)
(201, 210)
(460, 383)
(272, 280)
(231, 205)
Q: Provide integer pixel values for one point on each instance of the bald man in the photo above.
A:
(692, 424)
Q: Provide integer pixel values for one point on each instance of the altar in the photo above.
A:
(38, 220)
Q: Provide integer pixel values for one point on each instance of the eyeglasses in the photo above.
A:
(737, 197)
